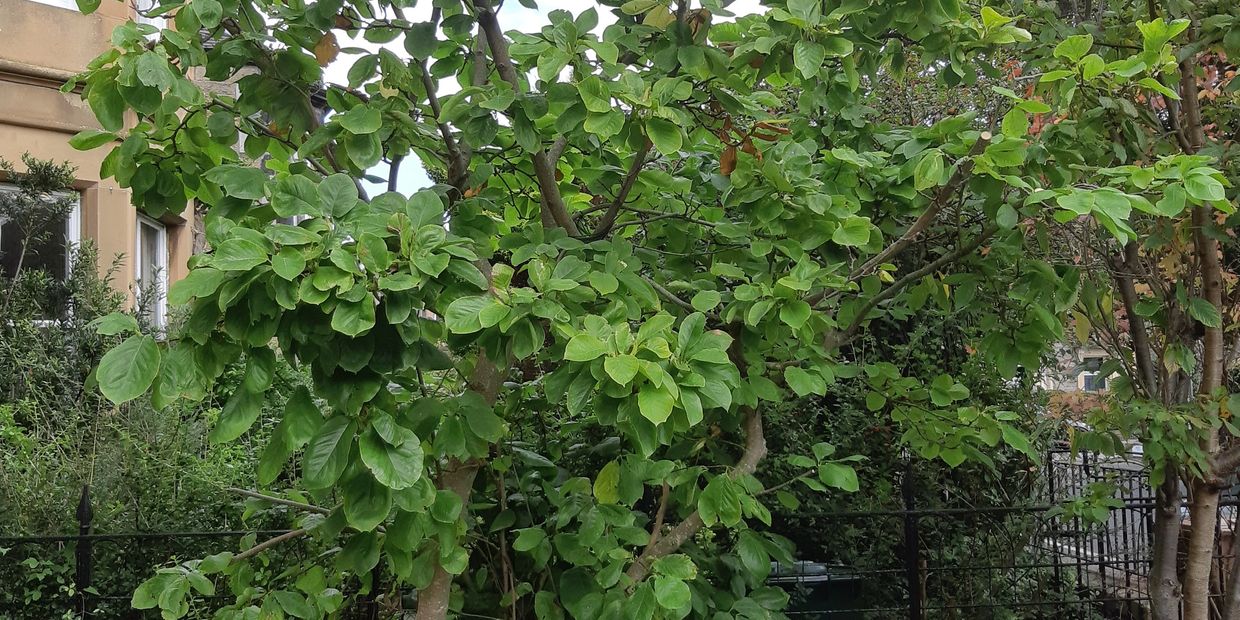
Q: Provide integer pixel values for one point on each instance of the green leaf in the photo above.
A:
(795, 313)
(339, 194)
(1203, 187)
(705, 301)
(91, 138)
(127, 371)
(595, 95)
(294, 604)
(584, 347)
(622, 368)
(201, 282)
(929, 170)
(354, 318)
(672, 593)
(607, 484)
(677, 566)
(106, 102)
(808, 57)
(1205, 312)
(853, 231)
(327, 454)
(665, 135)
(1074, 47)
(209, 12)
(655, 403)
(396, 467)
(366, 502)
(302, 418)
(238, 416)
(88, 7)
(361, 120)
(420, 40)
(1158, 87)
(839, 476)
(804, 383)
(528, 539)
(239, 181)
(461, 317)
(238, 254)
(115, 323)
(288, 263)
(446, 507)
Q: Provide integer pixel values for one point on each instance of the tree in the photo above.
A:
(643, 234)
(1147, 218)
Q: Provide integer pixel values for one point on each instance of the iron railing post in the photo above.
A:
(912, 547)
(84, 556)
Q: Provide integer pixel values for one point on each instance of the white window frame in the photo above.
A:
(60, 4)
(73, 237)
(160, 309)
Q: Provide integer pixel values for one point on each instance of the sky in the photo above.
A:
(512, 16)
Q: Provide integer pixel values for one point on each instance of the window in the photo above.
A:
(1091, 379)
(150, 269)
(145, 6)
(39, 244)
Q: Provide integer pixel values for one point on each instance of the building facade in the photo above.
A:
(42, 44)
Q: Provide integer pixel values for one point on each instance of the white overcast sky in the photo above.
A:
(512, 16)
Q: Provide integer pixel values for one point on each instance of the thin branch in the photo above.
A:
(835, 339)
(659, 515)
(269, 543)
(544, 166)
(280, 501)
(609, 218)
(1140, 336)
(668, 295)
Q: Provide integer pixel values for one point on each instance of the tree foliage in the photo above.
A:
(539, 385)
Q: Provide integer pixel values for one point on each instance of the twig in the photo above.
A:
(281, 501)
(269, 543)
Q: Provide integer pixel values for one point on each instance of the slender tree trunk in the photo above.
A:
(1204, 514)
(1164, 580)
(434, 599)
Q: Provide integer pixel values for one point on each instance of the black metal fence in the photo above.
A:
(1030, 561)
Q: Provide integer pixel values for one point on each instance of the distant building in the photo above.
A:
(42, 44)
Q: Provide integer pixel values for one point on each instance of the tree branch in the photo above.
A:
(267, 544)
(1126, 265)
(609, 218)
(668, 295)
(280, 501)
(754, 452)
(838, 338)
(544, 166)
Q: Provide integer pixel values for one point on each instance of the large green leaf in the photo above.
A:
(327, 454)
(367, 502)
(395, 466)
(238, 416)
(126, 371)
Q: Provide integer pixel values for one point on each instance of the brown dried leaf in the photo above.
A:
(327, 49)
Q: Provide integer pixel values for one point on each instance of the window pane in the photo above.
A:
(44, 249)
(150, 272)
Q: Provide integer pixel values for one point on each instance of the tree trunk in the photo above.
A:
(1164, 581)
(458, 477)
(1204, 514)
(433, 600)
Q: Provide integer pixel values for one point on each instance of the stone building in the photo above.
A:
(42, 44)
